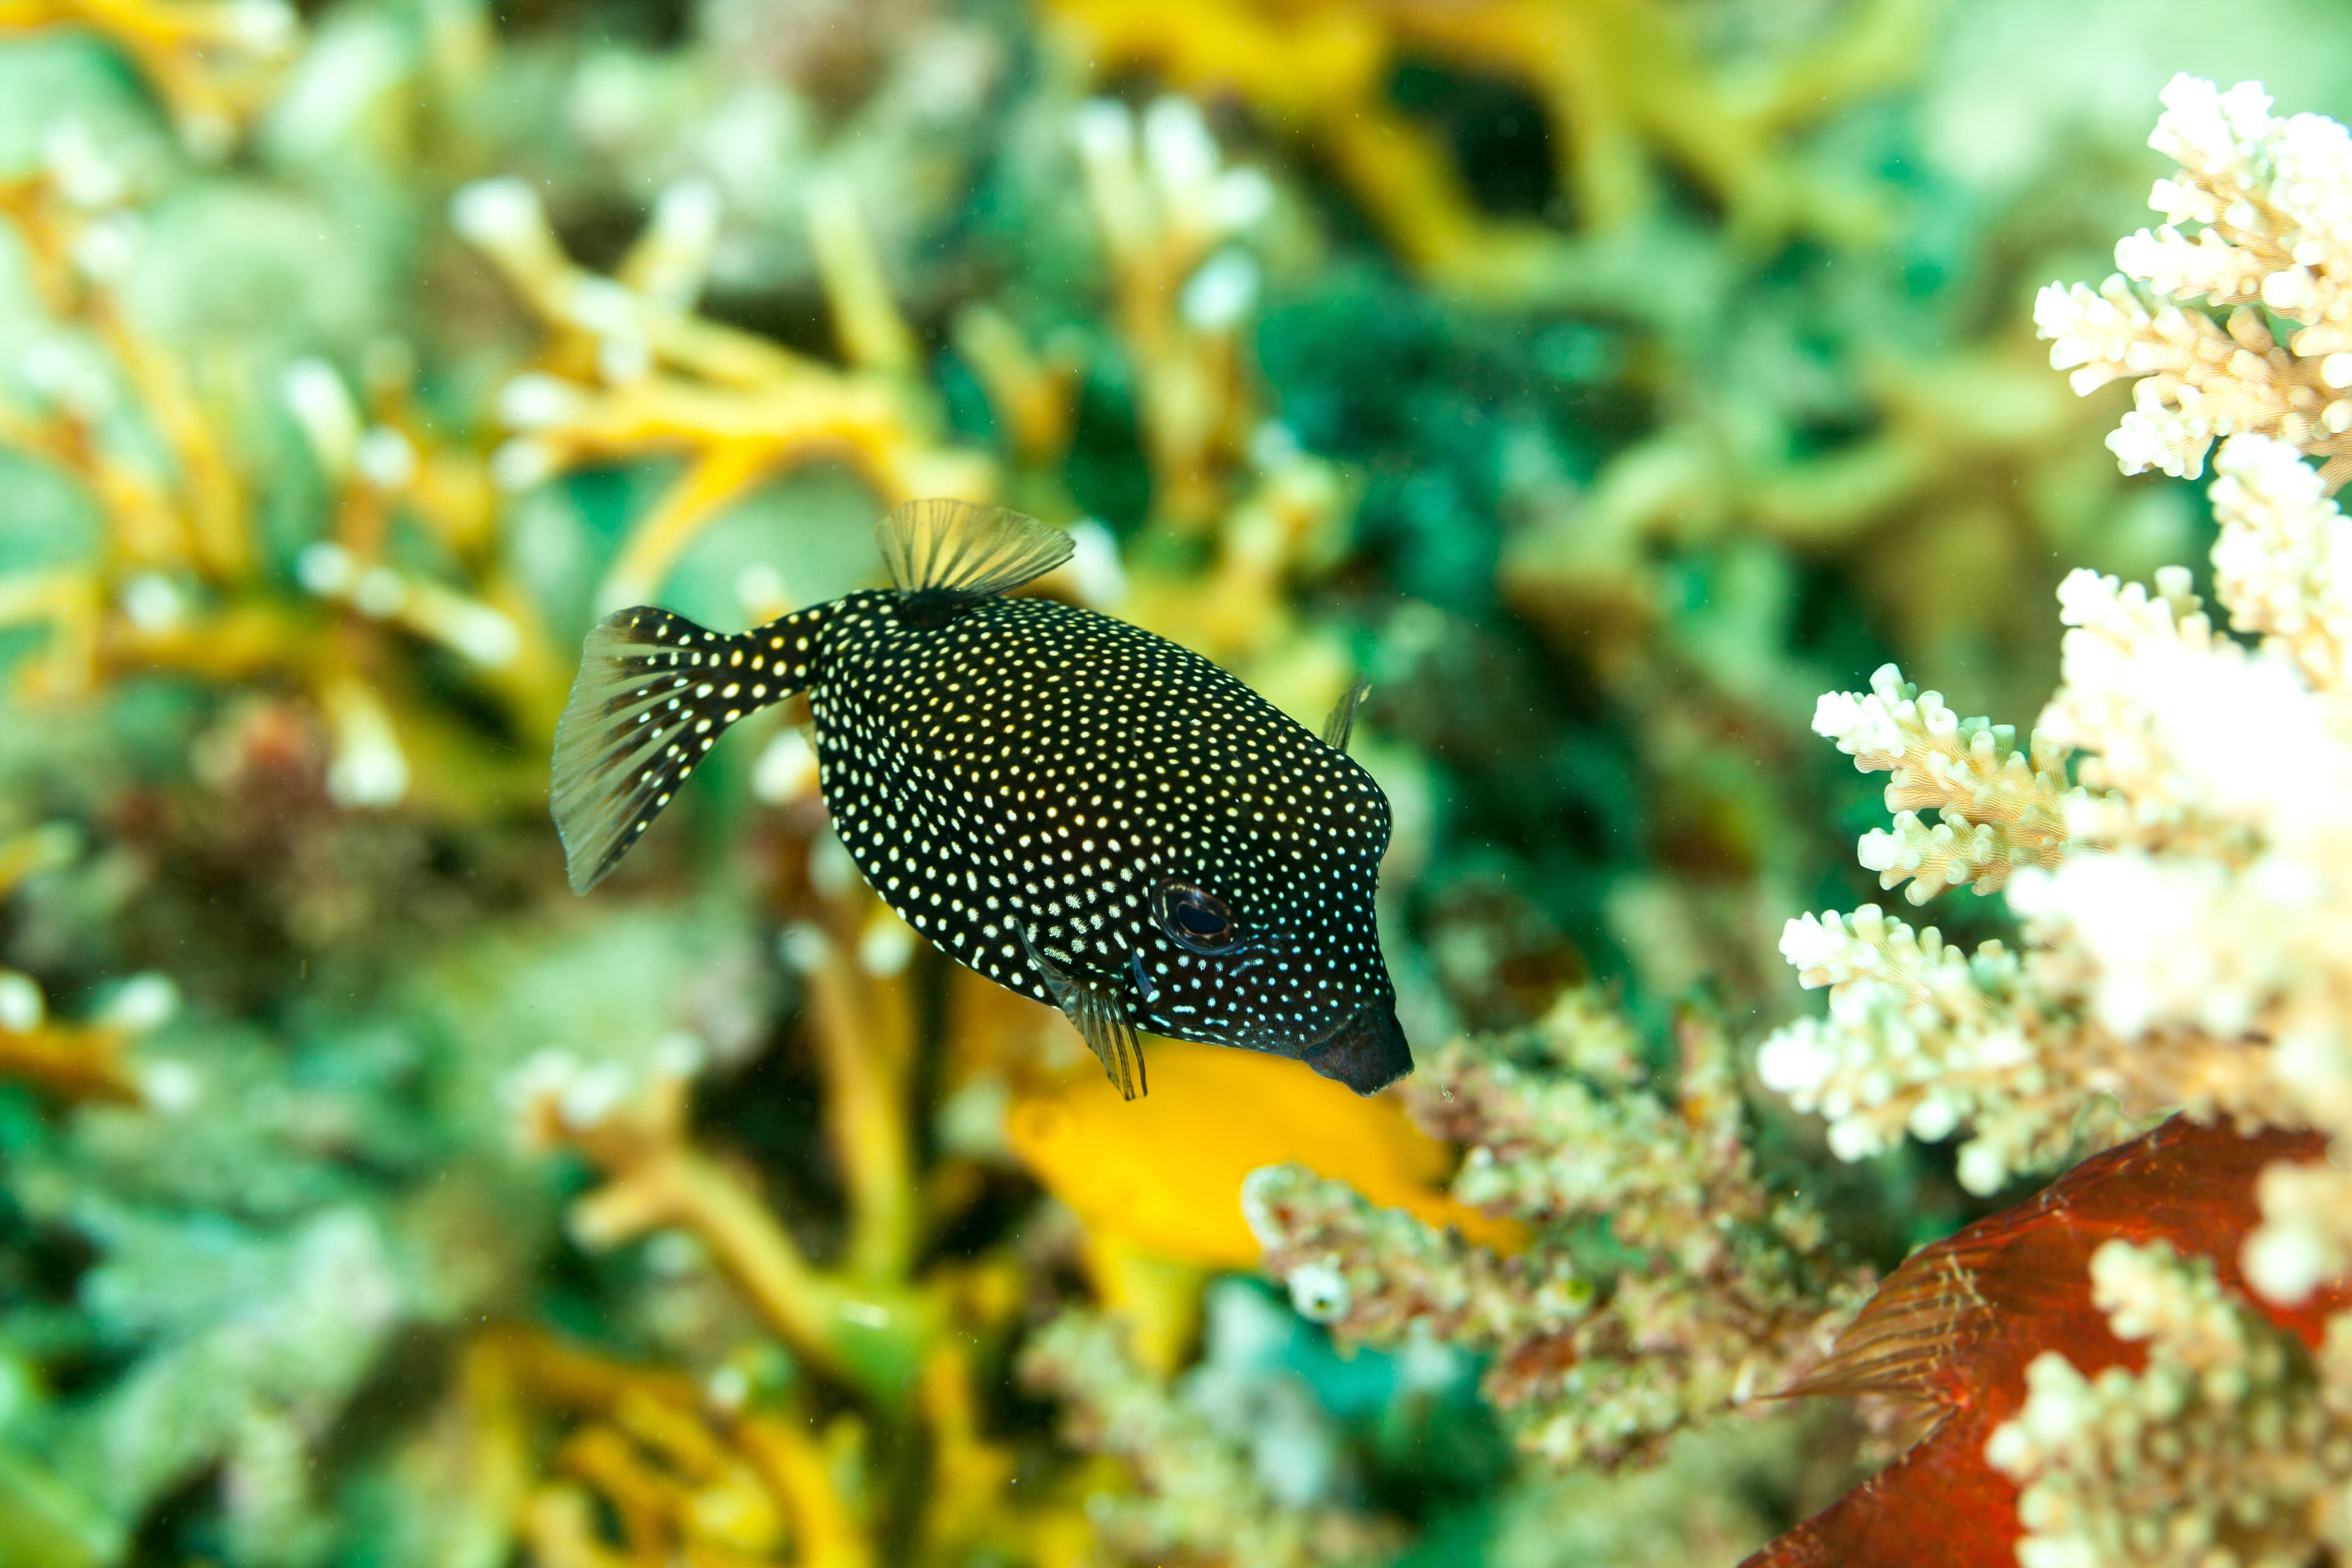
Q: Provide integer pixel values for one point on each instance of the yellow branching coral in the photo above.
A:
(1618, 79)
(1965, 465)
(865, 1333)
(215, 63)
(1174, 217)
(2273, 198)
(82, 1061)
(181, 583)
(1167, 209)
(571, 1450)
(629, 370)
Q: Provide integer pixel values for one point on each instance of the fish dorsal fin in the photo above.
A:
(967, 550)
(1341, 724)
(1093, 1005)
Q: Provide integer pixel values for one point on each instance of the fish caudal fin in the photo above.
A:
(653, 692)
(1092, 1004)
(963, 551)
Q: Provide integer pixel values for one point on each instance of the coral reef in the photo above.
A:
(2249, 1461)
(1207, 1500)
(2268, 197)
(1320, 72)
(1668, 1283)
(1603, 379)
(2118, 997)
(630, 370)
(2182, 903)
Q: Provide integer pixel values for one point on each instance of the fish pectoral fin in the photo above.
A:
(1341, 724)
(1092, 1003)
(963, 551)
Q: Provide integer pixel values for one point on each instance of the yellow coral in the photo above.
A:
(179, 583)
(1615, 77)
(73, 1061)
(865, 1331)
(214, 62)
(629, 371)
(682, 1475)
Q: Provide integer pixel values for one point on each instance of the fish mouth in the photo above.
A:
(1367, 1052)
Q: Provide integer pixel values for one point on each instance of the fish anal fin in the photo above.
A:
(962, 550)
(1341, 724)
(1093, 1005)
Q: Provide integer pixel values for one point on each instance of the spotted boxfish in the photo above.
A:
(1079, 810)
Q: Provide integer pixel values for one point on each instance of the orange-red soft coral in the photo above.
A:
(1949, 1335)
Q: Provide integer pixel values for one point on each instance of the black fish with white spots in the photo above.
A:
(1079, 810)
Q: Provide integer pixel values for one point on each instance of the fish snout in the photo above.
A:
(1367, 1053)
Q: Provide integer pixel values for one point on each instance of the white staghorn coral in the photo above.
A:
(2188, 908)
(2001, 806)
(2283, 562)
(2274, 200)
(2186, 912)
(1919, 1038)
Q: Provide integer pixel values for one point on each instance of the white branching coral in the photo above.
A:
(2231, 1445)
(2186, 907)
(1965, 1031)
(1999, 805)
(2188, 903)
(2271, 200)
(2283, 565)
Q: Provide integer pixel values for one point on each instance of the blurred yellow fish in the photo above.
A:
(1164, 1174)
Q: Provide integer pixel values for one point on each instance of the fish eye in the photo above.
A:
(1196, 919)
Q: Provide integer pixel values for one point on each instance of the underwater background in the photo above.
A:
(1603, 379)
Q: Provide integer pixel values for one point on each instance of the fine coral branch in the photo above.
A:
(2270, 194)
(656, 1178)
(862, 1031)
(629, 370)
(2001, 806)
(1710, 1293)
(1202, 1499)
